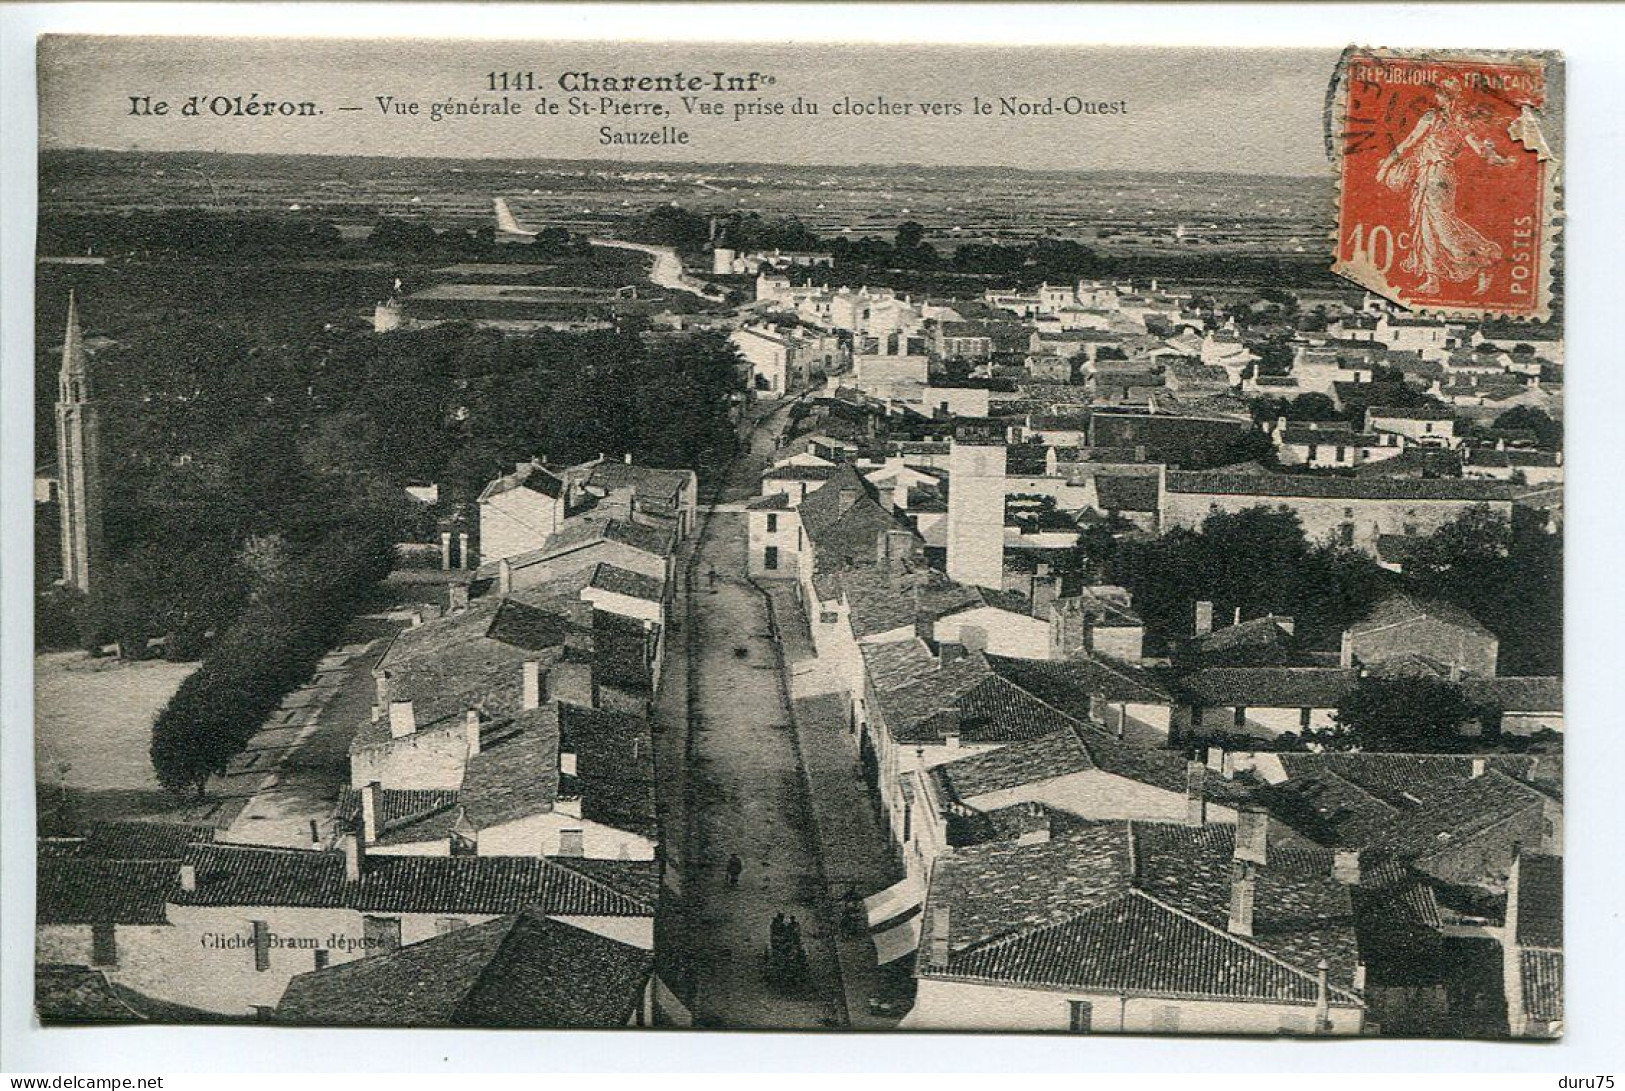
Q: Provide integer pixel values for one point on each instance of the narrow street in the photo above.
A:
(749, 798)
(745, 789)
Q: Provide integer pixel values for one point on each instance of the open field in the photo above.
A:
(92, 725)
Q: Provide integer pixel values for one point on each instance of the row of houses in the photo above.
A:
(1066, 865)
(493, 857)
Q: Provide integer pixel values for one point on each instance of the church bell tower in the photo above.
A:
(77, 461)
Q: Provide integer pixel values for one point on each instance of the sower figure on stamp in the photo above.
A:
(1443, 245)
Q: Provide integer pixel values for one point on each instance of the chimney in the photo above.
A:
(381, 681)
(532, 685)
(1323, 998)
(188, 877)
(1195, 794)
(457, 597)
(353, 853)
(471, 728)
(1041, 833)
(1204, 618)
(629, 458)
(463, 552)
(1237, 620)
(1345, 651)
(1043, 599)
(504, 576)
(1252, 836)
(937, 954)
(1346, 867)
(315, 835)
(1479, 766)
(402, 720)
(1243, 894)
(417, 618)
(369, 813)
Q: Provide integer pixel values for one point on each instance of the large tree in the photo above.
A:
(1400, 715)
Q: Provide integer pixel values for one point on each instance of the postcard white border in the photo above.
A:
(1595, 54)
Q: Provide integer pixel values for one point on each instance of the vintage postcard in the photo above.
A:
(541, 534)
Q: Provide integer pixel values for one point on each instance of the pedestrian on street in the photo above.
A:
(735, 866)
(712, 576)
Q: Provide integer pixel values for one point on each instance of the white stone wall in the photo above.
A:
(517, 521)
(950, 1005)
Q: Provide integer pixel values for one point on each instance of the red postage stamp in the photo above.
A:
(1446, 199)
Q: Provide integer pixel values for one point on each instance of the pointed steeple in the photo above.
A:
(78, 462)
(73, 342)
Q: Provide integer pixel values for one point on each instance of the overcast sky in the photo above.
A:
(1238, 111)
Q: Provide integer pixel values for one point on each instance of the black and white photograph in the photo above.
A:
(552, 535)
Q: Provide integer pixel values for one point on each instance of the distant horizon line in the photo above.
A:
(687, 164)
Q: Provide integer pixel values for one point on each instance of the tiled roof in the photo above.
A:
(655, 488)
(582, 531)
(132, 840)
(1405, 609)
(528, 626)
(516, 971)
(1140, 908)
(897, 663)
(1029, 761)
(1069, 684)
(1540, 900)
(795, 472)
(1329, 809)
(967, 697)
(404, 816)
(1269, 687)
(529, 476)
(1507, 693)
(615, 772)
(1301, 915)
(1408, 780)
(1127, 492)
(881, 601)
(1458, 814)
(79, 994)
(620, 653)
(1413, 462)
(621, 581)
(99, 890)
(516, 775)
(778, 501)
(1373, 488)
(245, 875)
(1542, 974)
(842, 520)
(1261, 641)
